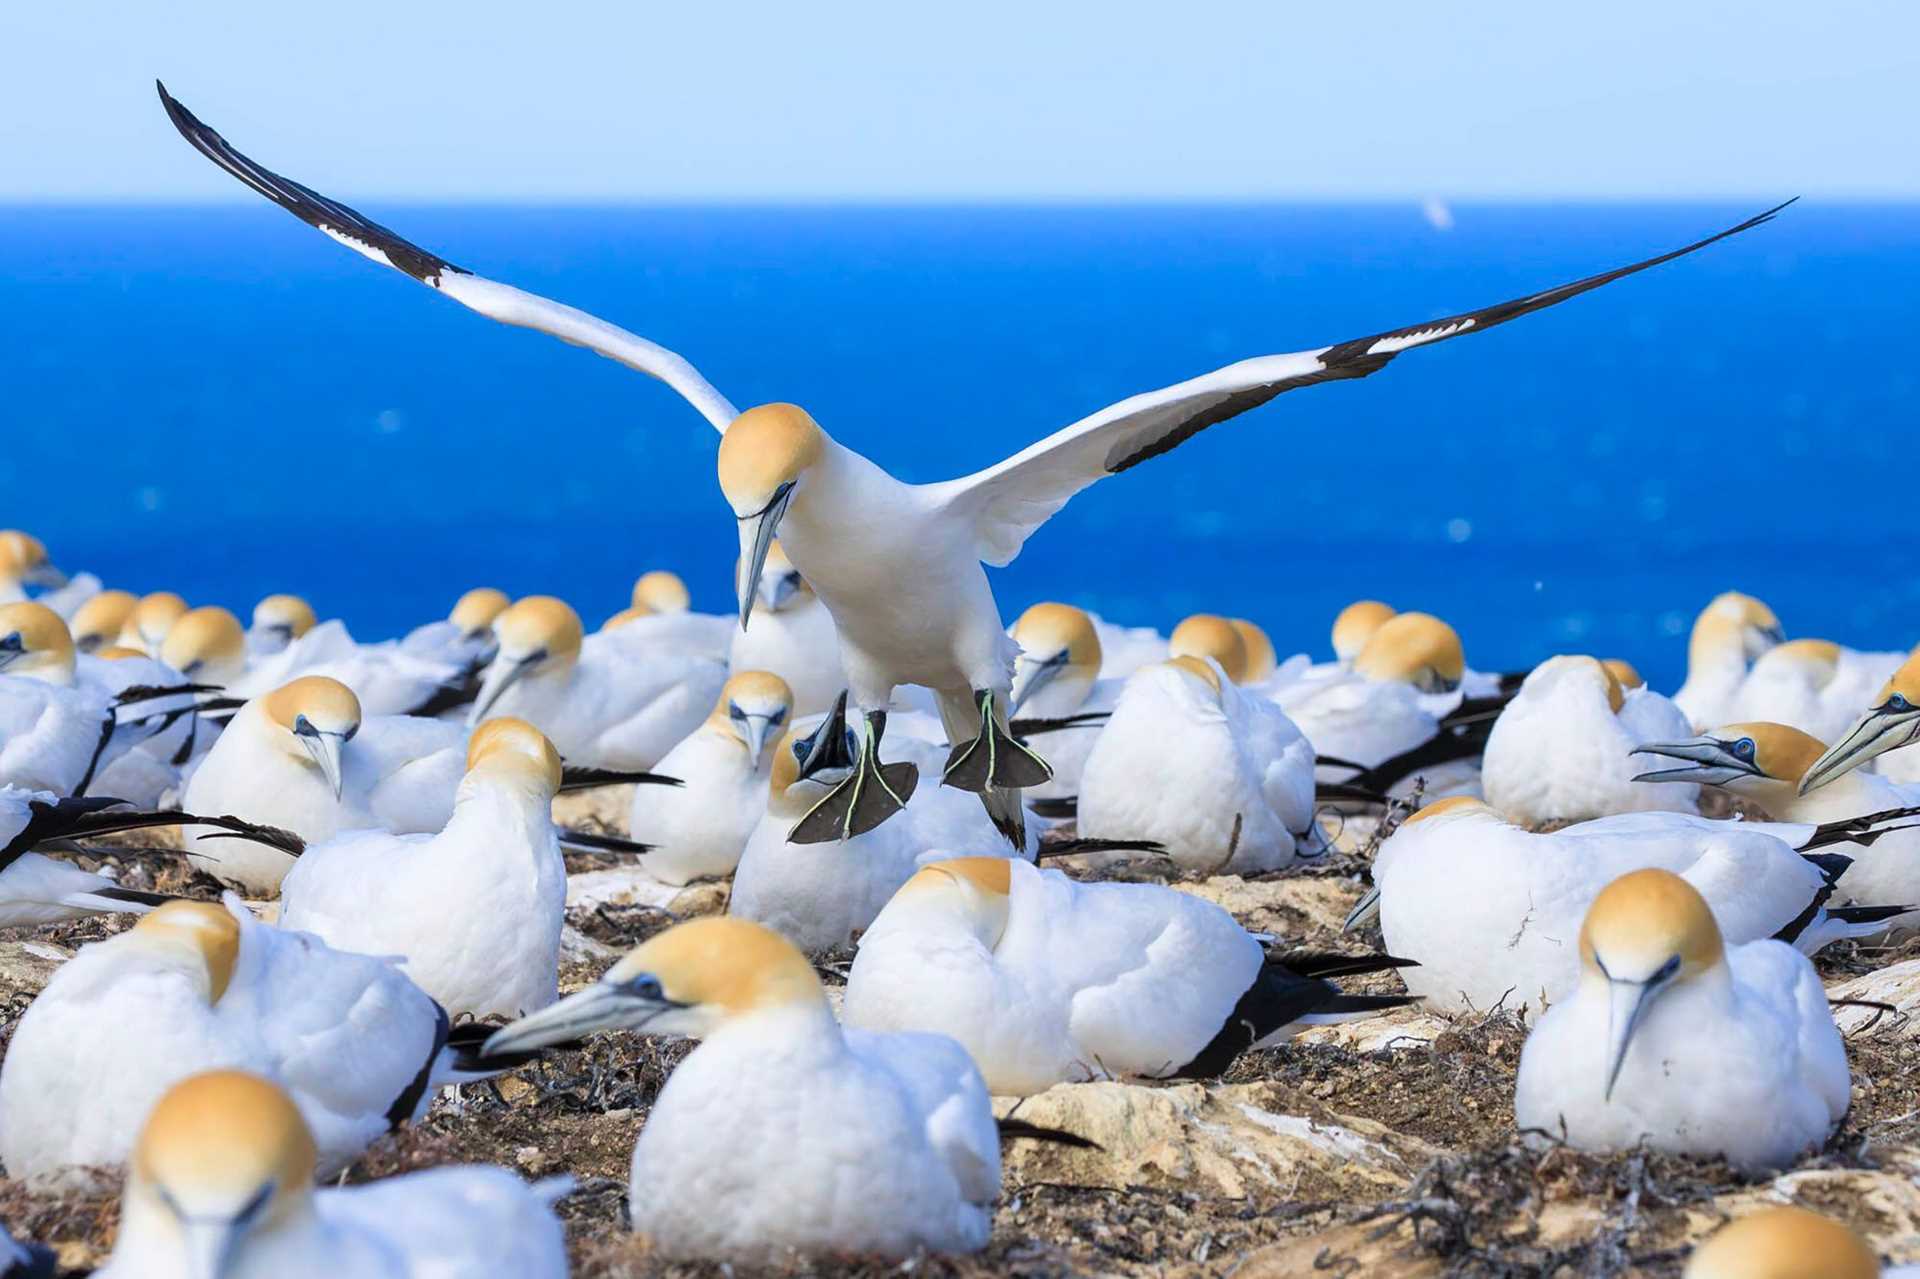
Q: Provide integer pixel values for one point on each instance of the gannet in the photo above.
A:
(152, 618)
(1730, 634)
(24, 563)
(1261, 661)
(1813, 685)
(278, 620)
(1677, 1041)
(1211, 637)
(1045, 981)
(302, 758)
(782, 1131)
(1624, 672)
(56, 731)
(193, 986)
(1767, 762)
(208, 646)
(1559, 750)
(1223, 779)
(98, 623)
(792, 636)
(898, 565)
(1489, 911)
(1785, 1242)
(698, 830)
(602, 705)
(1891, 720)
(1057, 677)
(475, 911)
(169, 730)
(1355, 624)
(660, 590)
(221, 1187)
(465, 636)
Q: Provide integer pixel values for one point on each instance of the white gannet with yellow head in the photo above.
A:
(1044, 980)
(1677, 1041)
(699, 829)
(474, 910)
(603, 704)
(1489, 910)
(1891, 720)
(98, 623)
(220, 1186)
(899, 566)
(1220, 777)
(56, 729)
(152, 618)
(1785, 1242)
(1559, 750)
(793, 636)
(1057, 676)
(1814, 685)
(887, 1142)
(1768, 764)
(464, 637)
(23, 564)
(661, 619)
(195, 985)
(303, 758)
(208, 646)
(279, 620)
(1729, 636)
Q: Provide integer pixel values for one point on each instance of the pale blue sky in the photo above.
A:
(988, 99)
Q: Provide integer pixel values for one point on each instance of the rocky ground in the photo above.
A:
(1382, 1149)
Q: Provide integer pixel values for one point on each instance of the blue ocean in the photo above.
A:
(221, 402)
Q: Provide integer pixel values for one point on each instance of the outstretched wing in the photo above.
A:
(1008, 501)
(494, 300)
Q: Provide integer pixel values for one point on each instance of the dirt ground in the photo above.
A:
(1460, 1195)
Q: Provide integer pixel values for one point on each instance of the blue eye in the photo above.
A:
(646, 987)
(1667, 970)
(1744, 748)
(1898, 703)
(734, 711)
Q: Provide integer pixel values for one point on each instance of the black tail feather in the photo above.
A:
(1340, 1004)
(1326, 964)
(1338, 792)
(466, 1040)
(80, 816)
(1034, 727)
(1068, 847)
(1062, 809)
(576, 777)
(1012, 1129)
(586, 839)
(1868, 914)
(1830, 865)
(1857, 830)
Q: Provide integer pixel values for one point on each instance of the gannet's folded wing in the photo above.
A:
(496, 301)
(1007, 502)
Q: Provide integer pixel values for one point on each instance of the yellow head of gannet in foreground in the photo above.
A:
(98, 623)
(699, 828)
(793, 636)
(1732, 631)
(1219, 776)
(1044, 980)
(278, 620)
(781, 1130)
(1676, 1040)
(24, 563)
(475, 910)
(1355, 625)
(899, 565)
(207, 645)
(1891, 720)
(195, 985)
(1559, 750)
(221, 1187)
(147, 626)
(1784, 1242)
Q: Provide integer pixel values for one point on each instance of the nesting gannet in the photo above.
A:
(792, 636)
(1057, 677)
(465, 635)
(152, 618)
(1767, 762)
(24, 563)
(303, 758)
(220, 1186)
(56, 730)
(1489, 910)
(899, 565)
(1891, 720)
(278, 620)
(474, 911)
(1678, 1041)
(1729, 635)
(1222, 778)
(98, 623)
(207, 645)
(193, 986)
(603, 705)
(1355, 624)
(1813, 685)
(1785, 1242)
(1045, 981)
(885, 1142)
(1559, 750)
(699, 829)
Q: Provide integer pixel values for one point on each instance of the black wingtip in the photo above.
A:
(1012, 1129)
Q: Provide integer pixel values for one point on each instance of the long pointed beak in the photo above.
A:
(325, 749)
(1875, 733)
(830, 746)
(1364, 911)
(754, 730)
(757, 532)
(502, 674)
(209, 1247)
(1626, 1005)
(1031, 675)
(45, 575)
(777, 589)
(1712, 763)
(601, 1006)
(9, 656)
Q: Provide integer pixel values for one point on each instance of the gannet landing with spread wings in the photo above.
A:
(899, 565)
